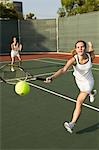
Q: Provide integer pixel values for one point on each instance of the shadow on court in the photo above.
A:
(89, 129)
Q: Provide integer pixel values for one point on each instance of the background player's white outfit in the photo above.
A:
(83, 75)
(14, 53)
(15, 48)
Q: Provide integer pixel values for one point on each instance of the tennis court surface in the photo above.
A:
(35, 121)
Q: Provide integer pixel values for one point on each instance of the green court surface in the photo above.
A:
(35, 121)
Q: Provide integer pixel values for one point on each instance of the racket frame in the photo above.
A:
(28, 76)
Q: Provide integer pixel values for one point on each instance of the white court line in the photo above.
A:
(61, 60)
(58, 63)
(52, 62)
(57, 94)
(96, 69)
(62, 96)
(34, 76)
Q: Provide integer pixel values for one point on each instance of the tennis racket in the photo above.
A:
(11, 74)
(19, 47)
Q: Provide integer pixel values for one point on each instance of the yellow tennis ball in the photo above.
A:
(22, 88)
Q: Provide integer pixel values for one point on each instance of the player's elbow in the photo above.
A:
(63, 70)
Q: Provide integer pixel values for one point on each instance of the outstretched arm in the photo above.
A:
(61, 71)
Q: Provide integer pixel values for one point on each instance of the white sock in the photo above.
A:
(71, 124)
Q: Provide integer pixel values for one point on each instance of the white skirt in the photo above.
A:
(14, 53)
(85, 85)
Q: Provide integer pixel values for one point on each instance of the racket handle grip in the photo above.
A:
(2, 79)
(40, 78)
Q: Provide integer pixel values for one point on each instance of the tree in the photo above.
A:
(9, 11)
(61, 12)
(74, 7)
(30, 16)
(68, 4)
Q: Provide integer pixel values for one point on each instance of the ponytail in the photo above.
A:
(73, 52)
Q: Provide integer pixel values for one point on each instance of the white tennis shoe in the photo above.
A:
(68, 127)
(92, 96)
(12, 69)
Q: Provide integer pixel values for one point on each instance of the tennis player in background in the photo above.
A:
(15, 48)
(82, 64)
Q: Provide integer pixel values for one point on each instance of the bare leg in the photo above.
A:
(12, 62)
(81, 98)
(20, 60)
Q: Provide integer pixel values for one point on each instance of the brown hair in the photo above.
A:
(82, 42)
(74, 50)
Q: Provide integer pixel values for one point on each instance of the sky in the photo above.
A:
(43, 9)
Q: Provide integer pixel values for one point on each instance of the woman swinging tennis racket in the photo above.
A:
(82, 64)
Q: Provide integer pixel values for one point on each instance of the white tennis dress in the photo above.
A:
(14, 53)
(83, 75)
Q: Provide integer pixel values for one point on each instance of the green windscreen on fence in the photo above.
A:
(35, 35)
(79, 27)
(8, 30)
(38, 35)
(50, 35)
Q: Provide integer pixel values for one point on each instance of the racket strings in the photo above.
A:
(12, 77)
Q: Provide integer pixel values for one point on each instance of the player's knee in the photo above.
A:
(79, 103)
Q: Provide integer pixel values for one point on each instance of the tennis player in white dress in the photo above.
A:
(15, 48)
(82, 64)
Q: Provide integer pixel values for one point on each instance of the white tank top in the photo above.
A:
(83, 71)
